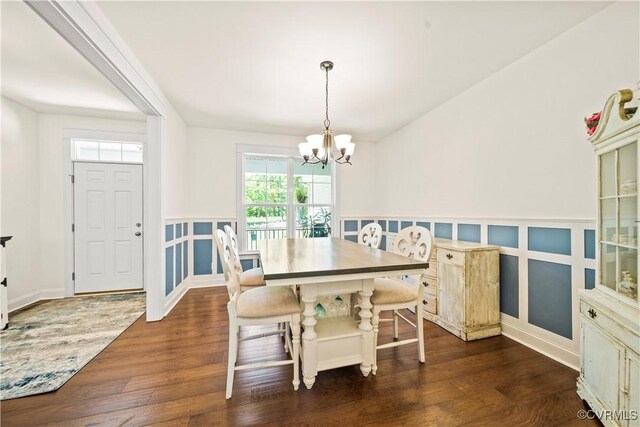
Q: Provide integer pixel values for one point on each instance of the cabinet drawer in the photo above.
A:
(430, 285)
(430, 304)
(450, 257)
(432, 271)
(598, 317)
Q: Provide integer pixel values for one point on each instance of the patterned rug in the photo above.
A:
(47, 344)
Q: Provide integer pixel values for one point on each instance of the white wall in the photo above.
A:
(514, 145)
(175, 173)
(212, 171)
(51, 166)
(20, 201)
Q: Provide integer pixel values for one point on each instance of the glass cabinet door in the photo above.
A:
(618, 230)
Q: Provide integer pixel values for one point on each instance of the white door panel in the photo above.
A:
(107, 216)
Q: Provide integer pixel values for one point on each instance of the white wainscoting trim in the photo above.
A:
(174, 297)
(535, 342)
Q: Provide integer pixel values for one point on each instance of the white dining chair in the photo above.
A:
(256, 307)
(250, 277)
(370, 235)
(396, 294)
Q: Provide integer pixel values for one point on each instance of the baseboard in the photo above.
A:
(205, 282)
(555, 352)
(33, 297)
(176, 296)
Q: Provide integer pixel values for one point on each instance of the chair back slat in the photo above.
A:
(229, 263)
(414, 242)
(221, 241)
(370, 235)
(233, 238)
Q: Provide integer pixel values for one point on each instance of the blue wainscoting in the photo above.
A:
(202, 228)
(589, 278)
(352, 238)
(168, 265)
(503, 235)
(590, 244)
(550, 240)
(469, 232)
(538, 274)
(178, 231)
(178, 263)
(168, 232)
(365, 222)
(444, 230)
(405, 224)
(185, 261)
(351, 225)
(202, 256)
(509, 285)
(550, 297)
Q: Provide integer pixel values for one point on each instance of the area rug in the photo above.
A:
(47, 344)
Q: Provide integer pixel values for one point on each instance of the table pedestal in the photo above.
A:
(329, 343)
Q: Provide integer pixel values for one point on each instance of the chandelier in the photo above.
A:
(317, 149)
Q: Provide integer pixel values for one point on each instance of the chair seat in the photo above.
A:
(392, 291)
(267, 302)
(252, 277)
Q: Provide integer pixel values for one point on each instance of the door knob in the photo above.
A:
(138, 224)
(138, 233)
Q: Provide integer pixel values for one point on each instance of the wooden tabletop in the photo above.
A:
(293, 258)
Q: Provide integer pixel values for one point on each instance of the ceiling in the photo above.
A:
(255, 66)
(43, 72)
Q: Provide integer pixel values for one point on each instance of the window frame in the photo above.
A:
(122, 142)
(292, 155)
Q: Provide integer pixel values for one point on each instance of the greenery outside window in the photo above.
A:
(284, 199)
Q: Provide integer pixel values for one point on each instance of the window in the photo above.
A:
(282, 198)
(107, 151)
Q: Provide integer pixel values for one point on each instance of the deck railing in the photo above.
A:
(254, 236)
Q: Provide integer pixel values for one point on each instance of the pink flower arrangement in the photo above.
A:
(592, 122)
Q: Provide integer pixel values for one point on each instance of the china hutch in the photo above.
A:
(609, 314)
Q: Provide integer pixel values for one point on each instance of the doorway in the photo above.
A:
(108, 241)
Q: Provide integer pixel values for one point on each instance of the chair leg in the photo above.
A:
(420, 331)
(395, 325)
(375, 320)
(233, 354)
(295, 343)
(285, 326)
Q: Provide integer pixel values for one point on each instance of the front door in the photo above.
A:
(108, 227)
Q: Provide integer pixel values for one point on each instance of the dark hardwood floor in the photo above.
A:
(173, 373)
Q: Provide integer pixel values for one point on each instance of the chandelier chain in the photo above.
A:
(327, 122)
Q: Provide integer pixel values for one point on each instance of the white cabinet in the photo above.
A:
(609, 314)
(609, 363)
(462, 288)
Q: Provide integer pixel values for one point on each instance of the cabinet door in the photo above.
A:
(632, 387)
(602, 364)
(451, 285)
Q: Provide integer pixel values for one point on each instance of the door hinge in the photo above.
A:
(73, 228)
(73, 179)
(4, 282)
(73, 276)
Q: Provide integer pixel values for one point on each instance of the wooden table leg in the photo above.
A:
(365, 326)
(309, 343)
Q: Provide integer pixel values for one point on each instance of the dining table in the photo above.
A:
(330, 266)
